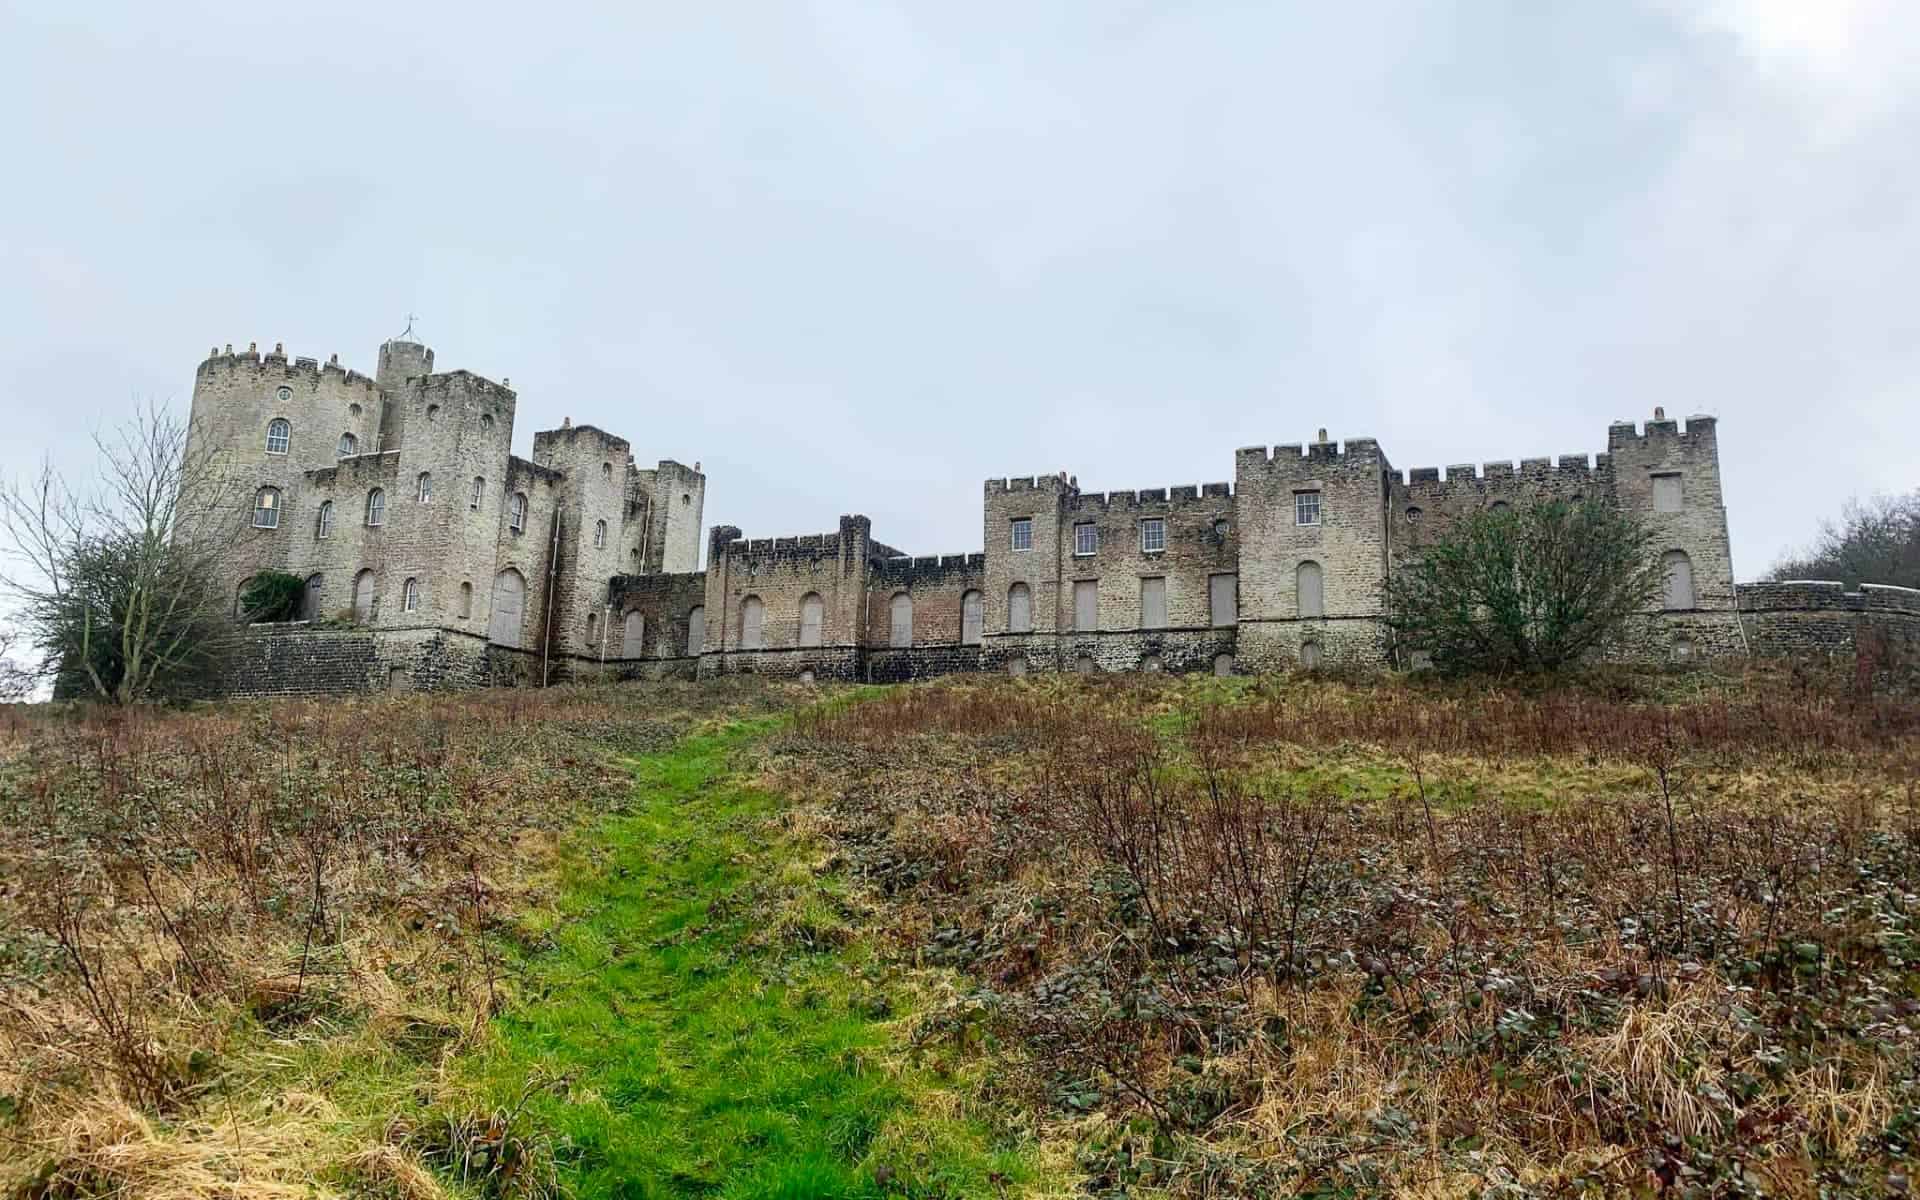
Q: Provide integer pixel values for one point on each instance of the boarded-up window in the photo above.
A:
(1019, 609)
(633, 636)
(310, 601)
(1223, 599)
(1679, 579)
(972, 619)
(1666, 493)
(696, 629)
(900, 629)
(752, 616)
(813, 613)
(1223, 664)
(363, 596)
(1086, 605)
(1153, 603)
(1308, 594)
(509, 598)
(466, 601)
(1310, 655)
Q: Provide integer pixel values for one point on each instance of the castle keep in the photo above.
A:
(435, 557)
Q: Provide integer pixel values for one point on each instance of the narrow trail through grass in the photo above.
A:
(718, 1023)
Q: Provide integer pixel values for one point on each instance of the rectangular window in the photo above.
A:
(1023, 533)
(1153, 602)
(1086, 605)
(1153, 535)
(1086, 538)
(1666, 493)
(1223, 599)
(1306, 508)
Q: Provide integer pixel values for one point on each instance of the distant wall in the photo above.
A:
(1877, 626)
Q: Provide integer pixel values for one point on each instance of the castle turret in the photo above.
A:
(399, 362)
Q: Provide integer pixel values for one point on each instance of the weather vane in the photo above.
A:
(407, 333)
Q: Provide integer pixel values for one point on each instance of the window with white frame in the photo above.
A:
(599, 535)
(425, 491)
(323, 521)
(1153, 535)
(1022, 535)
(410, 595)
(266, 508)
(1086, 538)
(349, 445)
(279, 435)
(376, 507)
(479, 490)
(1306, 508)
(517, 512)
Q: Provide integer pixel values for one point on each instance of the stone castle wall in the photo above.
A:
(576, 562)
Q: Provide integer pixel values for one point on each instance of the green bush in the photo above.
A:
(272, 596)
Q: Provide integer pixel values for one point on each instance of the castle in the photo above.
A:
(434, 557)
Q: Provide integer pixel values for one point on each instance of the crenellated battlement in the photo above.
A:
(1699, 427)
(927, 568)
(1290, 455)
(1057, 482)
(1171, 498)
(1567, 468)
(275, 365)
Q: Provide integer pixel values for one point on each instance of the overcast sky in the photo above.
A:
(858, 257)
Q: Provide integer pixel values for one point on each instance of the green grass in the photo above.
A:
(719, 1023)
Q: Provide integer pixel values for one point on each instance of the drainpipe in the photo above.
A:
(553, 570)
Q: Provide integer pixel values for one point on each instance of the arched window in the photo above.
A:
(900, 627)
(1019, 609)
(813, 613)
(466, 599)
(348, 445)
(479, 490)
(1223, 664)
(696, 629)
(433, 412)
(599, 535)
(363, 596)
(323, 520)
(606, 470)
(279, 435)
(972, 618)
(425, 492)
(509, 599)
(266, 508)
(1309, 596)
(1679, 579)
(633, 635)
(310, 599)
(593, 628)
(1413, 516)
(376, 507)
(1310, 654)
(410, 596)
(752, 613)
(517, 512)
(1085, 665)
(486, 422)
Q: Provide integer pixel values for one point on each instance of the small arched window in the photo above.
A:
(486, 422)
(479, 490)
(376, 507)
(279, 435)
(696, 629)
(348, 445)
(323, 520)
(1019, 609)
(433, 412)
(900, 626)
(752, 614)
(517, 512)
(1413, 516)
(1310, 655)
(425, 492)
(593, 628)
(466, 600)
(1309, 595)
(972, 619)
(1679, 579)
(266, 508)
(599, 535)
(606, 470)
(410, 595)
(812, 616)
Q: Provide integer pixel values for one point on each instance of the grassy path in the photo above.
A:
(719, 1025)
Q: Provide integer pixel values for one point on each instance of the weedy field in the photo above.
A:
(1113, 936)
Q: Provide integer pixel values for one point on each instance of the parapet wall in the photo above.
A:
(1876, 628)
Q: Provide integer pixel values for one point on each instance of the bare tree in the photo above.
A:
(118, 583)
(16, 680)
(1875, 541)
